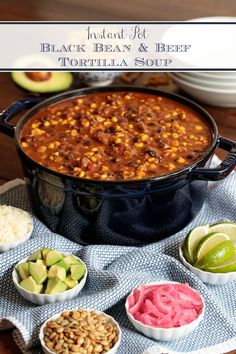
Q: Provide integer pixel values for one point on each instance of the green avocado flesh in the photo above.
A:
(38, 272)
(36, 255)
(55, 286)
(63, 264)
(30, 285)
(23, 270)
(53, 257)
(45, 251)
(58, 81)
(71, 260)
(77, 271)
(56, 271)
(71, 283)
(48, 271)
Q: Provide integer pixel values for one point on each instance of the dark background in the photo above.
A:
(124, 10)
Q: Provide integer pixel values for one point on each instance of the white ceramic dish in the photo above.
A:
(225, 76)
(207, 82)
(207, 277)
(165, 334)
(4, 247)
(215, 97)
(195, 59)
(113, 350)
(42, 299)
(214, 19)
(97, 79)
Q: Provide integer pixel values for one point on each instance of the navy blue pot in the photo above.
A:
(119, 212)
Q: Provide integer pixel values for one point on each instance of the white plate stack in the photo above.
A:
(217, 88)
(214, 88)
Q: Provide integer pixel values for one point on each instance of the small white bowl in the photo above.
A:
(4, 247)
(208, 277)
(42, 299)
(113, 350)
(97, 79)
(165, 334)
(215, 97)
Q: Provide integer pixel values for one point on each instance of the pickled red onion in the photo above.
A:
(165, 305)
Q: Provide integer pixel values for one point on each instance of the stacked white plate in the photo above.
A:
(214, 88)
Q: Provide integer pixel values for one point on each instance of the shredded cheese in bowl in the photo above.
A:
(16, 226)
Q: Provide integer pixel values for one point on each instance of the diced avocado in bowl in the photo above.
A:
(49, 276)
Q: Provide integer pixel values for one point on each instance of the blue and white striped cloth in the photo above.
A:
(114, 271)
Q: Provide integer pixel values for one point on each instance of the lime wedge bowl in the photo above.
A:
(207, 277)
(209, 251)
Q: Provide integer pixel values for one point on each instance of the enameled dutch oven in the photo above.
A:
(120, 212)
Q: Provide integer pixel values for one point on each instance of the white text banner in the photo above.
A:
(118, 46)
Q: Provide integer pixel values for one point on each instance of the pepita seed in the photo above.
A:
(66, 314)
(90, 349)
(100, 328)
(98, 348)
(52, 335)
(80, 332)
(71, 335)
(50, 344)
(75, 348)
(64, 323)
(75, 315)
(80, 340)
(58, 346)
(59, 330)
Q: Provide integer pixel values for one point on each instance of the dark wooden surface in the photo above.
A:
(140, 10)
(78, 10)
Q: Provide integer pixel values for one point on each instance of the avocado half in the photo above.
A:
(55, 82)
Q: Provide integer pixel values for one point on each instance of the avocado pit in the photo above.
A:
(39, 76)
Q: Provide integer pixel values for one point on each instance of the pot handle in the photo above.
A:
(224, 169)
(12, 111)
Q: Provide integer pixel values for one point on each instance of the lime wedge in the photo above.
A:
(208, 242)
(228, 228)
(191, 241)
(217, 255)
(229, 266)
